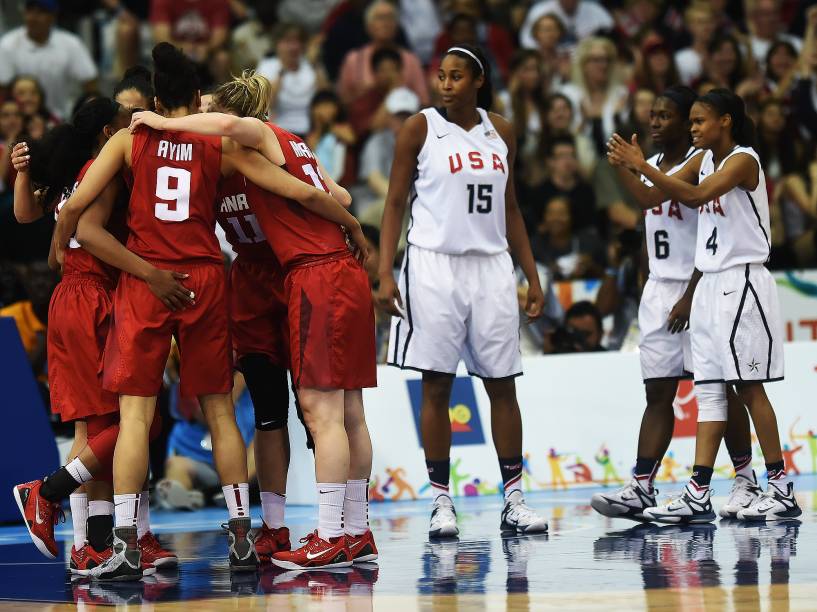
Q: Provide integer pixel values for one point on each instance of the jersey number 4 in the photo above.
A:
(483, 194)
(712, 241)
(179, 193)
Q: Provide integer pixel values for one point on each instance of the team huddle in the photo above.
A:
(137, 196)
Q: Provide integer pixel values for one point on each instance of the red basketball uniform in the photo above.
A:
(171, 218)
(78, 320)
(331, 319)
(258, 307)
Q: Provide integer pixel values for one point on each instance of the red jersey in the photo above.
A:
(295, 234)
(78, 260)
(172, 212)
(235, 212)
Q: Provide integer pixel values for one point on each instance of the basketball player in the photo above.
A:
(79, 316)
(331, 323)
(182, 172)
(737, 336)
(663, 317)
(457, 293)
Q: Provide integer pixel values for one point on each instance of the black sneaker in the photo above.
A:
(126, 561)
(243, 557)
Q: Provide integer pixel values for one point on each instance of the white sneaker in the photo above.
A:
(443, 519)
(174, 496)
(744, 493)
(773, 505)
(690, 508)
(628, 502)
(518, 517)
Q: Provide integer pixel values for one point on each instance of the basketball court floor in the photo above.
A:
(586, 562)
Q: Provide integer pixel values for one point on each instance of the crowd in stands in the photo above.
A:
(347, 73)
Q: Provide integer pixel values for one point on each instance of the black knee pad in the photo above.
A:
(267, 384)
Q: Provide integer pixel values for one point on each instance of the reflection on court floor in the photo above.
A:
(586, 562)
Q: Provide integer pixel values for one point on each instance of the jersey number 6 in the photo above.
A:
(483, 193)
(661, 244)
(180, 193)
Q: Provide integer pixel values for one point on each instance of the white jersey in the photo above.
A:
(671, 229)
(734, 228)
(458, 200)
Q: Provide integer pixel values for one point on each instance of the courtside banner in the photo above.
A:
(581, 415)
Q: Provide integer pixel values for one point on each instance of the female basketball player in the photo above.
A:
(79, 316)
(737, 336)
(663, 316)
(181, 170)
(331, 346)
(457, 284)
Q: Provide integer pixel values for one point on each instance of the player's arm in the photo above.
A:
(409, 143)
(738, 171)
(247, 131)
(99, 242)
(338, 192)
(516, 232)
(105, 167)
(678, 319)
(26, 207)
(649, 197)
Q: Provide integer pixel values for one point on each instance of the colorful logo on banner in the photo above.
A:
(466, 426)
(686, 410)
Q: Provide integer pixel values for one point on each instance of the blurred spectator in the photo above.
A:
(378, 154)
(656, 69)
(29, 95)
(725, 66)
(637, 18)
(767, 27)
(343, 30)
(294, 79)
(805, 101)
(568, 254)
(11, 126)
(548, 32)
(252, 41)
(620, 288)
(638, 120)
(559, 119)
(367, 112)
(596, 90)
(57, 59)
(195, 26)
(524, 106)
(356, 74)
(421, 24)
(329, 134)
(781, 70)
(581, 18)
(581, 332)
(11, 288)
(125, 34)
(563, 180)
(700, 22)
(309, 14)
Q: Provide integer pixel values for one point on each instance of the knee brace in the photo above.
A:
(712, 405)
(267, 384)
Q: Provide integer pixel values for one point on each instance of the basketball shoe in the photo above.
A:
(316, 553)
(691, 507)
(270, 541)
(87, 558)
(154, 554)
(125, 562)
(744, 493)
(40, 516)
(629, 502)
(362, 547)
(443, 519)
(773, 505)
(243, 557)
(518, 517)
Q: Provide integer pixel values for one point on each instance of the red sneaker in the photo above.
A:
(362, 547)
(270, 541)
(315, 553)
(86, 558)
(153, 554)
(40, 516)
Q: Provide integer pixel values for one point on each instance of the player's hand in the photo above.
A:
(165, 285)
(678, 319)
(627, 154)
(20, 158)
(388, 297)
(357, 242)
(147, 118)
(535, 303)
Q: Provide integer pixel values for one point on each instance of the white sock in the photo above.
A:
(272, 507)
(79, 518)
(78, 471)
(330, 510)
(356, 507)
(143, 517)
(126, 509)
(237, 497)
(99, 507)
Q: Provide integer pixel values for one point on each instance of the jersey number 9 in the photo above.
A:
(180, 193)
(484, 195)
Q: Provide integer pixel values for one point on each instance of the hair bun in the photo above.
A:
(137, 72)
(168, 59)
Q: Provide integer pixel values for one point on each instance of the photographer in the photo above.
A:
(581, 332)
(621, 285)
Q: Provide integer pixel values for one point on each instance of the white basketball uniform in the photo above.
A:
(737, 334)
(457, 280)
(670, 233)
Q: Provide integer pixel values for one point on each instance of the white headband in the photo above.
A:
(469, 54)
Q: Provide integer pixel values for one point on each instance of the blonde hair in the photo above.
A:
(583, 52)
(247, 95)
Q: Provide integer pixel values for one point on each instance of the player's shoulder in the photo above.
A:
(415, 129)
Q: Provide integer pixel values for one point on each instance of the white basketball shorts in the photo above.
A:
(457, 307)
(737, 333)
(663, 355)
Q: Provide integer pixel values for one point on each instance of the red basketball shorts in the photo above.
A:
(331, 325)
(258, 310)
(142, 327)
(78, 320)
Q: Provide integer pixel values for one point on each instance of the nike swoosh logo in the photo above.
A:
(265, 423)
(310, 556)
(322, 492)
(443, 136)
(37, 516)
(729, 292)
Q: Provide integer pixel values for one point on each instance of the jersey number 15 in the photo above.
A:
(480, 198)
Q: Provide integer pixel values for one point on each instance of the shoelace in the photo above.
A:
(308, 537)
(523, 511)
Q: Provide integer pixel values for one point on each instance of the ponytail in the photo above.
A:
(725, 102)
(248, 95)
(479, 66)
